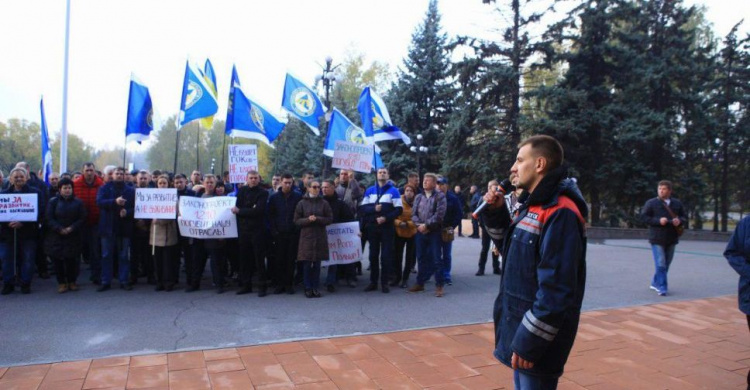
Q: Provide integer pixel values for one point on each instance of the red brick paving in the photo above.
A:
(701, 344)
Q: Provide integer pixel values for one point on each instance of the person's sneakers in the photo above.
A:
(385, 289)
(330, 288)
(662, 293)
(25, 289)
(245, 290)
(653, 288)
(449, 282)
(474, 236)
(61, 288)
(416, 288)
(308, 293)
(479, 273)
(278, 290)
(7, 289)
(371, 287)
(126, 286)
(439, 291)
(103, 287)
(316, 293)
(73, 287)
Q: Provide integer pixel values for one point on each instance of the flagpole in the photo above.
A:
(64, 130)
(197, 148)
(223, 152)
(176, 150)
(125, 153)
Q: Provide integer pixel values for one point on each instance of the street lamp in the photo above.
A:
(328, 77)
(419, 149)
(213, 163)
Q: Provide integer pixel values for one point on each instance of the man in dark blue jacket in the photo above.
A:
(380, 206)
(116, 201)
(281, 207)
(664, 215)
(538, 308)
(453, 215)
(252, 201)
(738, 256)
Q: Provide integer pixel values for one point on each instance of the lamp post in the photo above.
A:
(419, 149)
(213, 164)
(328, 77)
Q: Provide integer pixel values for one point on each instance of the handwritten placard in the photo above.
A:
(207, 217)
(155, 203)
(18, 207)
(344, 244)
(242, 159)
(348, 155)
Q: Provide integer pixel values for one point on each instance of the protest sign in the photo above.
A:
(344, 244)
(207, 217)
(348, 155)
(242, 159)
(155, 203)
(18, 207)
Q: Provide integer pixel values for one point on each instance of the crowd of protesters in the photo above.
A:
(87, 218)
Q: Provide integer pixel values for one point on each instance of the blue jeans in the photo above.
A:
(429, 259)
(110, 247)
(530, 382)
(26, 257)
(311, 274)
(662, 260)
(446, 249)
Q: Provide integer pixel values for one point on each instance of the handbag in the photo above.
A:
(447, 234)
(679, 228)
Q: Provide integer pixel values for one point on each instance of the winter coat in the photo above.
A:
(29, 230)
(62, 213)
(453, 210)
(313, 239)
(252, 203)
(538, 308)
(281, 209)
(389, 200)
(738, 255)
(87, 194)
(411, 229)
(339, 210)
(430, 211)
(163, 232)
(110, 222)
(653, 211)
(351, 195)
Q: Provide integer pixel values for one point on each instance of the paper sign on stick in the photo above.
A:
(155, 203)
(18, 207)
(207, 217)
(344, 244)
(348, 155)
(242, 159)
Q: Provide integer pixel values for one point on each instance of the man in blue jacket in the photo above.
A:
(538, 308)
(738, 256)
(380, 206)
(116, 201)
(453, 215)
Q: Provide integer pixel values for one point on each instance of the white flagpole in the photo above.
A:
(64, 131)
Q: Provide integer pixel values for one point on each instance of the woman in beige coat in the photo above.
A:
(163, 240)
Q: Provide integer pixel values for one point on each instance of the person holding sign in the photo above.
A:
(163, 240)
(209, 247)
(66, 218)
(18, 240)
(116, 201)
(312, 214)
(341, 213)
(251, 218)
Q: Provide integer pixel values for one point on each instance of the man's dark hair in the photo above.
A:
(119, 169)
(156, 173)
(329, 181)
(180, 176)
(89, 164)
(412, 174)
(666, 183)
(547, 147)
(287, 176)
(65, 182)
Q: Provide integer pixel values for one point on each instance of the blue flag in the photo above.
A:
(46, 151)
(375, 118)
(250, 120)
(340, 128)
(140, 122)
(198, 99)
(302, 102)
(210, 77)
(377, 162)
(230, 114)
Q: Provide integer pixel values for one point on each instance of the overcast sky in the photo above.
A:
(153, 39)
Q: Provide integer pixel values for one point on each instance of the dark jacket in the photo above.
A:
(476, 199)
(496, 221)
(453, 211)
(186, 192)
(430, 211)
(339, 210)
(87, 194)
(389, 200)
(543, 280)
(62, 213)
(313, 239)
(29, 230)
(738, 255)
(252, 203)
(281, 211)
(351, 195)
(110, 222)
(653, 211)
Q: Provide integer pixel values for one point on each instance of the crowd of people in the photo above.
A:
(87, 218)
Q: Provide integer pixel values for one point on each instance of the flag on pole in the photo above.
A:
(250, 120)
(46, 151)
(375, 118)
(377, 162)
(210, 77)
(140, 121)
(340, 128)
(302, 102)
(198, 100)
(230, 109)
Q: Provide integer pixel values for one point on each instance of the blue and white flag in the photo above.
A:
(230, 114)
(302, 102)
(140, 122)
(198, 99)
(46, 151)
(250, 120)
(377, 162)
(375, 118)
(340, 128)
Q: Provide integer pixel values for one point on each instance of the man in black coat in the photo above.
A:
(250, 209)
(281, 207)
(664, 216)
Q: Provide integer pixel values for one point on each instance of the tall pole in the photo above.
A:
(223, 152)
(64, 131)
(328, 78)
(176, 149)
(198, 149)
(125, 153)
